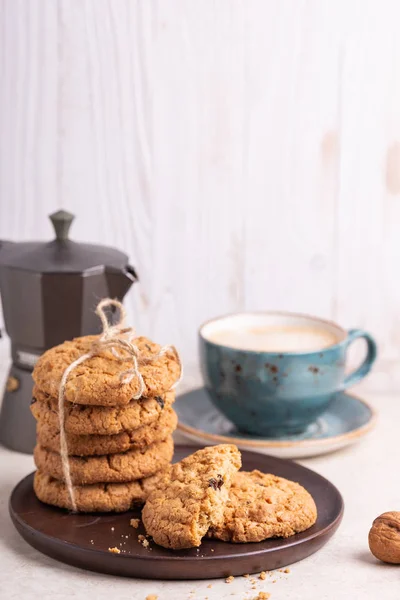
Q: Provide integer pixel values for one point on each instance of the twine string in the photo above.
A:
(118, 339)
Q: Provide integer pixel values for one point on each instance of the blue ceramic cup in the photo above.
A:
(274, 373)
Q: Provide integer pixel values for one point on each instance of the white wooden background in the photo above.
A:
(244, 153)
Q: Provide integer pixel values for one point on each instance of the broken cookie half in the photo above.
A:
(261, 506)
(179, 515)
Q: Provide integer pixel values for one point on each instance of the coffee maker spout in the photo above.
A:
(119, 281)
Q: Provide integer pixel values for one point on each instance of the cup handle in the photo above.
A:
(365, 367)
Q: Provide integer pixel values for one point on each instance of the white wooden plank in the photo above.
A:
(244, 154)
(293, 62)
(198, 154)
(368, 215)
(28, 113)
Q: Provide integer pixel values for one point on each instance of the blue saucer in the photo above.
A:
(346, 420)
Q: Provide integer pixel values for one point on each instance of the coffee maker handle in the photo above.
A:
(4, 244)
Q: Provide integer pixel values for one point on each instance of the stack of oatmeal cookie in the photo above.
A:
(117, 446)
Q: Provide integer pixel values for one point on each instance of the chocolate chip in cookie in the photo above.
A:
(216, 482)
(160, 401)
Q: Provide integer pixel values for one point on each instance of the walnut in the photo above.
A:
(384, 537)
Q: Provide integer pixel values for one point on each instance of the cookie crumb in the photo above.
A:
(142, 540)
(151, 597)
(134, 523)
(115, 550)
(263, 595)
(13, 384)
(229, 579)
(212, 549)
(263, 575)
(286, 571)
(210, 586)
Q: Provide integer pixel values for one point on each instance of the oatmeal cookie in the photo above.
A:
(99, 420)
(111, 468)
(91, 445)
(179, 514)
(262, 506)
(97, 380)
(97, 497)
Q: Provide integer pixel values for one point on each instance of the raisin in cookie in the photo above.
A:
(111, 468)
(91, 445)
(99, 420)
(98, 497)
(97, 380)
(262, 506)
(180, 514)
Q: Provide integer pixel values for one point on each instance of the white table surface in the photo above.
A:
(367, 475)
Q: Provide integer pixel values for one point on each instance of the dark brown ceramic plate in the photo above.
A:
(83, 540)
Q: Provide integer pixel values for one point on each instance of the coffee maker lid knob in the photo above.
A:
(62, 220)
(63, 255)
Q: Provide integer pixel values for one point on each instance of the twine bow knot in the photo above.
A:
(118, 339)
